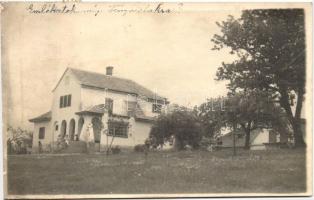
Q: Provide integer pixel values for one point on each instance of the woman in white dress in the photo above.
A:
(87, 134)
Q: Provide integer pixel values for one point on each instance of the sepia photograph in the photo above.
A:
(152, 100)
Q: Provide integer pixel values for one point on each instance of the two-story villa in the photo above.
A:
(111, 105)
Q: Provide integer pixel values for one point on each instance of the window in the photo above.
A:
(157, 108)
(61, 101)
(69, 100)
(109, 105)
(57, 127)
(65, 101)
(41, 133)
(118, 129)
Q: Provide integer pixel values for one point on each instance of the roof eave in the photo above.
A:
(35, 120)
(145, 119)
(89, 112)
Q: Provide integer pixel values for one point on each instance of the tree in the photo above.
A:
(212, 116)
(18, 140)
(182, 124)
(252, 109)
(270, 45)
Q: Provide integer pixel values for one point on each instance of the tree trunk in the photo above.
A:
(298, 136)
(247, 130)
(247, 139)
(294, 120)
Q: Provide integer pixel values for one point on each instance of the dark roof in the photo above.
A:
(41, 118)
(103, 81)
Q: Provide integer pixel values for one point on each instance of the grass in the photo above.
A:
(275, 171)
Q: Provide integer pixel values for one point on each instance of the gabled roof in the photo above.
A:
(102, 81)
(41, 118)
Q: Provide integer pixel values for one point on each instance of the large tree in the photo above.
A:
(270, 45)
(252, 109)
(248, 110)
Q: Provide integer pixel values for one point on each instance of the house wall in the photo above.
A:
(258, 137)
(82, 98)
(262, 136)
(137, 134)
(141, 131)
(227, 141)
(46, 142)
(67, 85)
(91, 97)
(148, 108)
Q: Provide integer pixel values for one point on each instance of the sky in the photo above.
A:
(169, 53)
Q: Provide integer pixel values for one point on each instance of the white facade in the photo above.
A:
(260, 139)
(68, 121)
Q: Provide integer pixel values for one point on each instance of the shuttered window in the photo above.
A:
(61, 101)
(69, 100)
(65, 101)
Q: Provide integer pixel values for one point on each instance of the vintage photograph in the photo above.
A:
(105, 100)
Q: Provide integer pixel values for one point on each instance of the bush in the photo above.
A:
(115, 150)
(182, 124)
(205, 143)
(140, 148)
(18, 140)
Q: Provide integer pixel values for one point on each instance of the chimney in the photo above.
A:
(109, 70)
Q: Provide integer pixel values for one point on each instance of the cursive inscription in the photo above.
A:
(148, 9)
(54, 8)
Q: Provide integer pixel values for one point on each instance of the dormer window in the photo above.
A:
(65, 101)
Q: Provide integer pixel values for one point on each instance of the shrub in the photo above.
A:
(115, 150)
(205, 143)
(182, 124)
(18, 140)
(140, 148)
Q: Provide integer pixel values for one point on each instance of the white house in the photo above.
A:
(111, 105)
(260, 139)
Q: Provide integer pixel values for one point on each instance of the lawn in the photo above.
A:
(276, 171)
